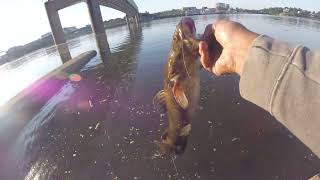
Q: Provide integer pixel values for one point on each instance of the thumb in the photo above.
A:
(223, 64)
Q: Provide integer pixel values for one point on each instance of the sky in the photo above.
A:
(23, 21)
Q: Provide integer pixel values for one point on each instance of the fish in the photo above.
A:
(181, 92)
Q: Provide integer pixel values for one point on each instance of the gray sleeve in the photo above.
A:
(285, 80)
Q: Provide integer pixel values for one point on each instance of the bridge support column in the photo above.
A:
(136, 17)
(127, 20)
(98, 27)
(57, 32)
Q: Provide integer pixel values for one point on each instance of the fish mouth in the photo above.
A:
(189, 34)
(188, 27)
(178, 147)
(181, 145)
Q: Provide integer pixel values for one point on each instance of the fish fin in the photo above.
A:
(164, 136)
(185, 131)
(159, 100)
(165, 149)
(180, 96)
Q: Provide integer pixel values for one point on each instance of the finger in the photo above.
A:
(221, 65)
(204, 55)
(208, 34)
(220, 31)
(218, 68)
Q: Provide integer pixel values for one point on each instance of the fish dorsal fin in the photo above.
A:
(180, 96)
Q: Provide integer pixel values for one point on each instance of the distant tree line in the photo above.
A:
(286, 11)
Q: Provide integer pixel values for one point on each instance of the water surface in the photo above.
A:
(104, 126)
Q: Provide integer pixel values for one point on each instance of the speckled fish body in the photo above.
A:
(181, 91)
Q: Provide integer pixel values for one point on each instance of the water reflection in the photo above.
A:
(99, 92)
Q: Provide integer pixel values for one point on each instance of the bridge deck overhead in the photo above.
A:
(128, 7)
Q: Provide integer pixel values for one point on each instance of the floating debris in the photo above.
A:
(81, 135)
(90, 104)
(131, 142)
(90, 127)
(235, 139)
(74, 155)
(97, 126)
(212, 169)
(214, 149)
(210, 122)
(197, 175)
(102, 101)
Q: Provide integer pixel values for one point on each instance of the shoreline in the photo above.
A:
(123, 23)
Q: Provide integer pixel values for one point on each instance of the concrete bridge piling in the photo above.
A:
(57, 32)
(98, 27)
(53, 6)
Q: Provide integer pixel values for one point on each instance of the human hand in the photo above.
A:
(225, 46)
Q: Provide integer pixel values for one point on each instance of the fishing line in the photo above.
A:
(184, 62)
(174, 164)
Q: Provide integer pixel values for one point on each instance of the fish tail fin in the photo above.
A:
(159, 101)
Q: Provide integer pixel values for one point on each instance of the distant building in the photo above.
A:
(286, 10)
(190, 11)
(145, 16)
(46, 35)
(222, 7)
(68, 30)
(65, 30)
(205, 11)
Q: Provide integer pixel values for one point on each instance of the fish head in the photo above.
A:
(177, 147)
(181, 145)
(186, 35)
(174, 143)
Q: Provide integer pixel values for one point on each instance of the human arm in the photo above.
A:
(282, 79)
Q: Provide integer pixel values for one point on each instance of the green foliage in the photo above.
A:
(296, 12)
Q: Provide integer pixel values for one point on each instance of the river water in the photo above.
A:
(104, 126)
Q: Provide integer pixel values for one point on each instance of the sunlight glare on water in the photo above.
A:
(17, 75)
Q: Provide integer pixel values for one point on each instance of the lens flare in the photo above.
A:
(75, 77)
